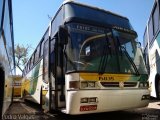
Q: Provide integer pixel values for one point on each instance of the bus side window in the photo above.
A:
(45, 61)
(52, 56)
(41, 48)
(37, 54)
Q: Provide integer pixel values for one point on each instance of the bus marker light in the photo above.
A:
(146, 84)
(73, 84)
(141, 85)
(145, 97)
(88, 108)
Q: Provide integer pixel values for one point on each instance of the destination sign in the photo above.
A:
(95, 29)
(124, 29)
(87, 28)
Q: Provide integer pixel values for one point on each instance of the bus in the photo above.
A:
(7, 59)
(88, 61)
(17, 85)
(151, 43)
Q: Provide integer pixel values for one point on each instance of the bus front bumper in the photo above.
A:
(94, 101)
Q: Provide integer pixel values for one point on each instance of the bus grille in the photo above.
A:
(117, 84)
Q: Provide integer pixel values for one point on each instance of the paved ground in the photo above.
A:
(21, 110)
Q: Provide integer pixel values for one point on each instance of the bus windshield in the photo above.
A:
(108, 52)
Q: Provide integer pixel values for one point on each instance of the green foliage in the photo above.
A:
(21, 55)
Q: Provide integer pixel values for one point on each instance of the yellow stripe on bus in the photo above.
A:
(107, 77)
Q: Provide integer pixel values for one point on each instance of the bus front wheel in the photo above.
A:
(157, 85)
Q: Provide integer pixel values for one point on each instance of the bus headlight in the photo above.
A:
(84, 84)
(146, 85)
(140, 85)
(74, 84)
(143, 85)
(91, 84)
(84, 100)
(89, 100)
(88, 84)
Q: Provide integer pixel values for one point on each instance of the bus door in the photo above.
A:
(56, 77)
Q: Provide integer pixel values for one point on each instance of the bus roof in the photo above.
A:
(77, 12)
(93, 7)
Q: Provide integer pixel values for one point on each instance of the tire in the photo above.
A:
(157, 83)
(41, 100)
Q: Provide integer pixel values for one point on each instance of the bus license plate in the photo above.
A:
(88, 107)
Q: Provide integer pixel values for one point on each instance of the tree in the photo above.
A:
(21, 55)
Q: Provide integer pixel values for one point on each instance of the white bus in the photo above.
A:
(7, 61)
(88, 61)
(152, 49)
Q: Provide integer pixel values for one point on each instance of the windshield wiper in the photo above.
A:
(104, 57)
(130, 59)
(119, 46)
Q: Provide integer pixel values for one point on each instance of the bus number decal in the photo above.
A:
(106, 78)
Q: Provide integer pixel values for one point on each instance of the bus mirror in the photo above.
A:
(138, 44)
(63, 35)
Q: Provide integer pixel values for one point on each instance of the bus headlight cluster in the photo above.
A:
(88, 84)
(143, 85)
(89, 100)
(74, 84)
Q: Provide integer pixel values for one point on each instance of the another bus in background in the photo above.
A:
(17, 85)
(151, 45)
(7, 59)
(88, 61)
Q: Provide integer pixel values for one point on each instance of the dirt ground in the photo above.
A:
(21, 110)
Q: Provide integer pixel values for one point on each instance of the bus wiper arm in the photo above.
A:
(104, 57)
(130, 59)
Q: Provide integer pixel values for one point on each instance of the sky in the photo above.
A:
(30, 17)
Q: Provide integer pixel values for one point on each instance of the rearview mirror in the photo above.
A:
(63, 35)
(138, 44)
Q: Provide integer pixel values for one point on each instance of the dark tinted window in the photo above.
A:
(1, 6)
(155, 17)
(45, 37)
(32, 61)
(87, 13)
(57, 21)
(145, 38)
(42, 44)
(46, 61)
(37, 54)
(150, 30)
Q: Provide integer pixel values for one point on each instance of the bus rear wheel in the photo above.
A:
(157, 85)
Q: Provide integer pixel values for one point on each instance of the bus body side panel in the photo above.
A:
(32, 83)
(154, 58)
(7, 76)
